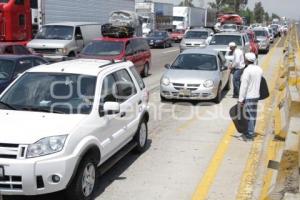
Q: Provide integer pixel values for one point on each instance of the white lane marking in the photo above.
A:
(170, 51)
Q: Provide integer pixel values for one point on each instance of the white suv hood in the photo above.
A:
(20, 127)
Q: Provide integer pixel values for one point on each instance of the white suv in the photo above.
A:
(60, 122)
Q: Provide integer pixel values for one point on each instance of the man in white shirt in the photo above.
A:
(250, 92)
(237, 66)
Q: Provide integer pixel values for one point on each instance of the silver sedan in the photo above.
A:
(196, 74)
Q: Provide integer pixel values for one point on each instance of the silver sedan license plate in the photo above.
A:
(185, 92)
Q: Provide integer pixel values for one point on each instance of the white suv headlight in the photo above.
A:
(165, 81)
(209, 84)
(46, 146)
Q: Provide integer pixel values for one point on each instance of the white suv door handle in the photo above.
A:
(123, 114)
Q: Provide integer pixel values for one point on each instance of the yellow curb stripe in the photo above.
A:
(246, 188)
(206, 182)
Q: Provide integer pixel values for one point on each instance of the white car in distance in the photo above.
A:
(60, 122)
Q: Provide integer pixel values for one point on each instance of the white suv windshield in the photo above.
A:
(51, 92)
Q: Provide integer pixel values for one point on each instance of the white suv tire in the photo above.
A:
(141, 137)
(82, 186)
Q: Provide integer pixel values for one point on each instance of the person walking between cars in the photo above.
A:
(237, 66)
(250, 92)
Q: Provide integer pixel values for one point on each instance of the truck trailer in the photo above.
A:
(156, 16)
(187, 17)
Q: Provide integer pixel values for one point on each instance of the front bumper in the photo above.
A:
(55, 58)
(22, 175)
(201, 93)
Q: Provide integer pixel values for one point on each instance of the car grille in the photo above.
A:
(12, 151)
(45, 51)
(191, 87)
(13, 183)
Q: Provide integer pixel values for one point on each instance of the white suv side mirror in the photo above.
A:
(111, 108)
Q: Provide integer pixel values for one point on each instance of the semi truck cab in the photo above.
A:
(15, 21)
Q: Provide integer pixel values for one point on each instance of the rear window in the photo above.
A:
(261, 33)
(226, 39)
(103, 48)
(196, 35)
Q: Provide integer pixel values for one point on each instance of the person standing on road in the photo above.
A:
(250, 92)
(237, 66)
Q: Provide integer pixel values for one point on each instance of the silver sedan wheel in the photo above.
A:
(143, 135)
(88, 179)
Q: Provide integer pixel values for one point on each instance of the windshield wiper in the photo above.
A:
(7, 105)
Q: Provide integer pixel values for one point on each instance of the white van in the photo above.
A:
(60, 40)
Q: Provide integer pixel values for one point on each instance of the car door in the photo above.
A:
(109, 125)
(224, 72)
(129, 101)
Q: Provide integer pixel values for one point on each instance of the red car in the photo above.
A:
(133, 49)
(253, 42)
(177, 35)
(13, 48)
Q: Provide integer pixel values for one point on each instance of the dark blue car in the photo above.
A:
(13, 65)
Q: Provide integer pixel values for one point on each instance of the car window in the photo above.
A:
(9, 50)
(23, 65)
(138, 78)
(136, 45)
(129, 49)
(78, 33)
(195, 62)
(103, 48)
(108, 91)
(226, 39)
(125, 85)
(6, 69)
(38, 61)
(20, 50)
(196, 35)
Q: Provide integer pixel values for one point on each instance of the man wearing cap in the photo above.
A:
(250, 92)
(237, 66)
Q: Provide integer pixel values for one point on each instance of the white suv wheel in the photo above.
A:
(88, 179)
(143, 135)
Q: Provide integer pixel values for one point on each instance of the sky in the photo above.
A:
(287, 8)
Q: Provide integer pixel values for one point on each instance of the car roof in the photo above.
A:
(72, 23)
(230, 33)
(90, 67)
(16, 57)
(206, 50)
(198, 29)
(116, 39)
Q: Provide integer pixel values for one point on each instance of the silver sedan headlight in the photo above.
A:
(209, 84)
(46, 146)
(165, 81)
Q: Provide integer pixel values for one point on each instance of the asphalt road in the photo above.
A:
(183, 137)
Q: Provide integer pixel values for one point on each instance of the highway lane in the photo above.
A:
(183, 138)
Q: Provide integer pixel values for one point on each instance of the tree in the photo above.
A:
(275, 16)
(259, 12)
(233, 5)
(267, 17)
(188, 3)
